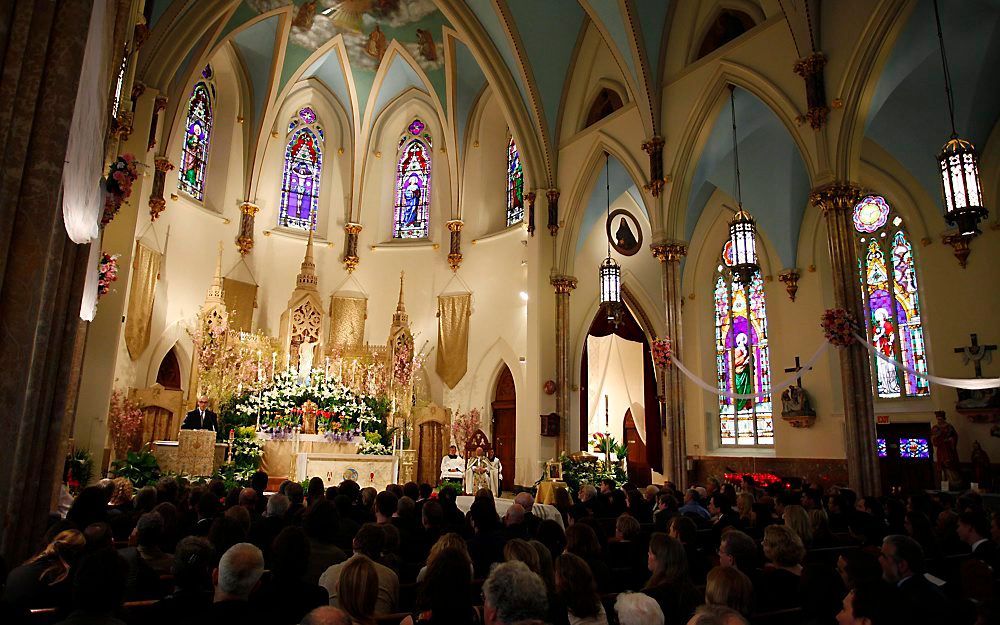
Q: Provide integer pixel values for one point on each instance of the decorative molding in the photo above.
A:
(564, 285)
(244, 240)
(351, 258)
(810, 68)
(960, 244)
(455, 247)
(530, 199)
(669, 251)
(836, 196)
(161, 165)
(790, 278)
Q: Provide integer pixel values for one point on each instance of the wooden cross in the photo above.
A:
(797, 368)
(976, 353)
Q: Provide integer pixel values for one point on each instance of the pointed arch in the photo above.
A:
(411, 209)
(197, 137)
(515, 184)
(302, 171)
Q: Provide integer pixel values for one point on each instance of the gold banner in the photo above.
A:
(145, 272)
(453, 337)
(347, 321)
(241, 299)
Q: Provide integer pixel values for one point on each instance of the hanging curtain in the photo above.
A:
(347, 321)
(241, 299)
(453, 337)
(615, 365)
(145, 272)
(88, 300)
(82, 171)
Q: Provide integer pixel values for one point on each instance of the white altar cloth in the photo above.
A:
(540, 510)
(366, 470)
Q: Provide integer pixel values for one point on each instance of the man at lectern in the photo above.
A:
(201, 418)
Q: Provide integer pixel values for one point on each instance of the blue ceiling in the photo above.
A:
(652, 19)
(329, 71)
(399, 77)
(913, 135)
(256, 47)
(773, 176)
(490, 21)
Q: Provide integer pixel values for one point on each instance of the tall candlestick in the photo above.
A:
(606, 413)
(274, 362)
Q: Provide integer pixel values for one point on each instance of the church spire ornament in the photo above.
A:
(307, 278)
(742, 227)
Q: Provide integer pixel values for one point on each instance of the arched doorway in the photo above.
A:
(638, 467)
(504, 409)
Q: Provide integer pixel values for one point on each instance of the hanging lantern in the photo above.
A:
(963, 197)
(611, 283)
(743, 241)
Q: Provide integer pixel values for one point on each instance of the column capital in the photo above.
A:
(790, 278)
(249, 208)
(654, 143)
(162, 163)
(672, 251)
(563, 284)
(455, 225)
(352, 228)
(836, 196)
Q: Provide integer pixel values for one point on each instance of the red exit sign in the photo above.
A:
(882, 419)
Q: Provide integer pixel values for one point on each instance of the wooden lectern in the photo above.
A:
(196, 452)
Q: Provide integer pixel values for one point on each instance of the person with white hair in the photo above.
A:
(512, 594)
(238, 573)
(636, 608)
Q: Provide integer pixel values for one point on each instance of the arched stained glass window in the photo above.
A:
(197, 136)
(515, 185)
(743, 363)
(413, 184)
(892, 307)
(302, 172)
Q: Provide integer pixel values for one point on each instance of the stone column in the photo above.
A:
(161, 165)
(41, 270)
(351, 246)
(564, 285)
(670, 254)
(244, 240)
(553, 196)
(455, 247)
(529, 199)
(837, 201)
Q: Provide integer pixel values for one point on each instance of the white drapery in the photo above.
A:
(82, 195)
(88, 303)
(615, 370)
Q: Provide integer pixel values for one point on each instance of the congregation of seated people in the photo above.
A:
(710, 554)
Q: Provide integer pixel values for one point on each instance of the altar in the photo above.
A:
(279, 452)
(366, 470)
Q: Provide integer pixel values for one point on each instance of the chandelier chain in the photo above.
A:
(607, 189)
(947, 73)
(736, 151)
(791, 31)
(809, 26)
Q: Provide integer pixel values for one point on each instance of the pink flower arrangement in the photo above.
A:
(124, 423)
(662, 351)
(107, 272)
(402, 370)
(118, 185)
(463, 426)
(838, 327)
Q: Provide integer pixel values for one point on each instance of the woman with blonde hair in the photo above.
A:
(728, 586)
(357, 590)
(451, 540)
(45, 579)
(744, 505)
(797, 519)
(521, 550)
(779, 583)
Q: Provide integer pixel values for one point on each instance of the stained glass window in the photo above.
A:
(914, 448)
(883, 450)
(302, 172)
(515, 185)
(742, 359)
(413, 184)
(197, 135)
(892, 307)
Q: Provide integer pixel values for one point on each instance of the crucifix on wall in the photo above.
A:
(795, 408)
(976, 353)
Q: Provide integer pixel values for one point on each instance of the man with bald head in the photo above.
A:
(326, 615)
(531, 522)
(237, 575)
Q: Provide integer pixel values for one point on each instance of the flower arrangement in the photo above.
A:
(246, 452)
(762, 480)
(662, 351)
(838, 327)
(604, 444)
(463, 426)
(107, 272)
(125, 423)
(373, 445)
(118, 185)
(403, 362)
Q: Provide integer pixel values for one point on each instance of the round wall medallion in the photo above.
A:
(624, 232)
(351, 474)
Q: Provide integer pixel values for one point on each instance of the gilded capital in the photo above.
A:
(790, 278)
(563, 284)
(352, 228)
(809, 65)
(249, 208)
(159, 103)
(162, 163)
(455, 225)
(654, 144)
(669, 251)
(837, 196)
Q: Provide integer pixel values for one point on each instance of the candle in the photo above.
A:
(274, 358)
(606, 412)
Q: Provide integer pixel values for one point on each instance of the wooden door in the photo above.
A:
(638, 470)
(430, 450)
(504, 408)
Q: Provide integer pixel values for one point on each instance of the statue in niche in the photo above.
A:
(944, 437)
(428, 49)
(982, 470)
(377, 44)
(624, 235)
(795, 407)
(307, 355)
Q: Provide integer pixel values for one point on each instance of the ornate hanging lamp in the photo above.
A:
(742, 227)
(959, 165)
(610, 272)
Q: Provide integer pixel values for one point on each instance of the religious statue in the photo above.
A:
(309, 410)
(428, 49)
(795, 407)
(742, 372)
(624, 235)
(376, 45)
(944, 437)
(982, 470)
(307, 355)
(479, 473)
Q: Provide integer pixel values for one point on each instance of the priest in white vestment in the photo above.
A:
(452, 467)
(497, 467)
(480, 474)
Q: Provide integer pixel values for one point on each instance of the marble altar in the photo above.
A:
(375, 471)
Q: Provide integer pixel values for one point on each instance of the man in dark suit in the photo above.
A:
(201, 418)
(974, 530)
(902, 560)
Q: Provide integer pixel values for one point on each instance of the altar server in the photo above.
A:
(201, 418)
(452, 467)
(497, 470)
